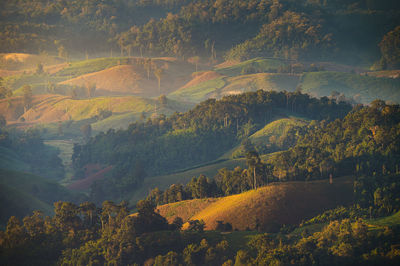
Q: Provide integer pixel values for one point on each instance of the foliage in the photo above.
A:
(390, 49)
(203, 133)
(366, 141)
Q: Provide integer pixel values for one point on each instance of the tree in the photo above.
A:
(86, 130)
(194, 60)
(90, 89)
(4, 91)
(253, 161)
(39, 69)
(27, 96)
(158, 72)
(196, 225)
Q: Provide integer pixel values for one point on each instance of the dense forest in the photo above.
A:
(364, 144)
(211, 29)
(87, 235)
(202, 134)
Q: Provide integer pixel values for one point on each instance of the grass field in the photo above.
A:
(200, 91)
(392, 220)
(365, 88)
(222, 86)
(269, 207)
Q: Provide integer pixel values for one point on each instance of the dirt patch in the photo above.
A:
(227, 64)
(28, 62)
(202, 77)
(12, 108)
(124, 78)
(394, 74)
(7, 73)
(84, 184)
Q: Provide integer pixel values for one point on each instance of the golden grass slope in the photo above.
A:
(213, 85)
(23, 61)
(134, 78)
(269, 207)
(123, 79)
(53, 108)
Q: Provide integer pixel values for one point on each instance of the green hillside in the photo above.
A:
(14, 202)
(38, 193)
(256, 65)
(364, 88)
(271, 137)
(10, 160)
(222, 86)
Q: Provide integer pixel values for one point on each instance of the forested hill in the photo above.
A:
(292, 29)
(162, 145)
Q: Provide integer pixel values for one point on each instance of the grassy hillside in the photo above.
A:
(16, 203)
(269, 135)
(183, 177)
(385, 221)
(223, 85)
(364, 88)
(54, 108)
(22, 192)
(256, 64)
(11, 161)
(268, 207)
(116, 75)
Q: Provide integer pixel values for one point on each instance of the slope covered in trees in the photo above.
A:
(202, 134)
(284, 28)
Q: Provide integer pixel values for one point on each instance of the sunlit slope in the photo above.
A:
(114, 75)
(23, 61)
(51, 108)
(269, 207)
(269, 135)
(134, 76)
(364, 88)
(223, 85)
(392, 220)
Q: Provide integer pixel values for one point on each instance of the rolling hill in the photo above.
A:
(269, 135)
(266, 208)
(220, 86)
(364, 88)
(53, 108)
(21, 193)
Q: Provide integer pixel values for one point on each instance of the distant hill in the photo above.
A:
(223, 85)
(268, 207)
(363, 88)
(132, 76)
(53, 108)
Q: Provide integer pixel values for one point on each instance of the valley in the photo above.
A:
(188, 132)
